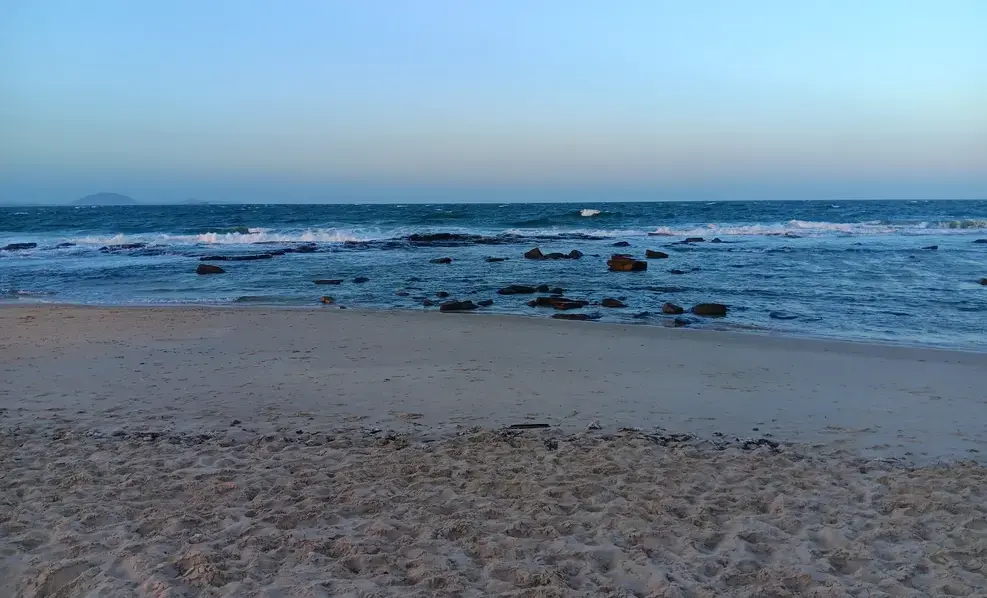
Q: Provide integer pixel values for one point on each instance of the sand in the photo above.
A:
(256, 452)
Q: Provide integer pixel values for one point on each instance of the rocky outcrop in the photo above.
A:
(671, 309)
(575, 254)
(19, 246)
(209, 269)
(457, 306)
(655, 255)
(441, 260)
(534, 254)
(611, 302)
(693, 240)
(716, 240)
(621, 244)
(710, 309)
(328, 281)
(516, 289)
(625, 263)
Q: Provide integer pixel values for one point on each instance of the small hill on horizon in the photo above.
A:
(106, 199)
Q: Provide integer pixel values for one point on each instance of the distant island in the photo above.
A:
(106, 199)
(194, 202)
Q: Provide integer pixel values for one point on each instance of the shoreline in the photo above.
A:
(747, 331)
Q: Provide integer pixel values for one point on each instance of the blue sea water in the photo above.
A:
(853, 270)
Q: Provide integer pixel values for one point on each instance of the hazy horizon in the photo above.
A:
(248, 101)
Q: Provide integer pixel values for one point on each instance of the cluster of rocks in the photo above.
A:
(536, 254)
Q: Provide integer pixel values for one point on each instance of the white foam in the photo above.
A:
(255, 235)
(589, 212)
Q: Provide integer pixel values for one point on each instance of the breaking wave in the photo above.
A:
(587, 212)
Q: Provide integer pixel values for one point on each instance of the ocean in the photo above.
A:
(882, 271)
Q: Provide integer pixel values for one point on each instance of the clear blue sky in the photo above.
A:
(885, 93)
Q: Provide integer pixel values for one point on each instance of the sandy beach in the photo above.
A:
(261, 452)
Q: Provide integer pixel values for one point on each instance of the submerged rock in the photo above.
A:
(485, 302)
(19, 246)
(611, 302)
(710, 309)
(328, 281)
(780, 315)
(983, 281)
(980, 241)
(361, 279)
(496, 259)
(621, 244)
(427, 303)
(625, 263)
(716, 240)
(575, 254)
(676, 271)
(578, 317)
(694, 240)
(442, 294)
(441, 260)
(122, 247)
(457, 306)
(931, 248)
(671, 309)
(516, 289)
(655, 255)
(209, 269)
(236, 258)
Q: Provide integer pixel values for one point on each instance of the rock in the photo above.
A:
(64, 245)
(791, 235)
(402, 294)
(534, 254)
(625, 263)
(716, 240)
(542, 288)
(328, 281)
(516, 289)
(555, 256)
(457, 306)
(441, 260)
(983, 241)
(672, 309)
(485, 302)
(442, 294)
(306, 248)
(497, 259)
(361, 279)
(594, 425)
(577, 317)
(427, 303)
(234, 258)
(680, 322)
(611, 302)
(676, 271)
(931, 248)
(983, 281)
(209, 269)
(575, 254)
(560, 303)
(710, 309)
(655, 255)
(438, 237)
(694, 240)
(19, 246)
(556, 291)
(780, 315)
(327, 299)
(621, 244)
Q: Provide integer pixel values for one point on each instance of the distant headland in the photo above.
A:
(106, 199)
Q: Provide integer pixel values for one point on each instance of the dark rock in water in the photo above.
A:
(328, 281)
(780, 315)
(644, 315)
(441, 260)
(327, 299)
(621, 244)
(209, 269)
(440, 237)
(931, 247)
(710, 309)
(680, 322)
(123, 246)
(534, 254)
(676, 271)
(655, 255)
(442, 294)
(306, 248)
(625, 263)
(611, 302)
(516, 289)
(555, 256)
(560, 303)
(485, 302)
(556, 291)
(235, 258)
(457, 306)
(716, 240)
(672, 309)
(694, 240)
(402, 294)
(427, 303)
(497, 259)
(64, 245)
(19, 246)
(983, 281)
(981, 241)
(579, 317)
(360, 279)
(575, 254)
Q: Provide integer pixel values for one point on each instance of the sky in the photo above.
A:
(173, 99)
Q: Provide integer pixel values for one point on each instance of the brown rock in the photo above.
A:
(209, 269)
(441, 260)
(534, 254)
(328, 281)
(710, 309)
(671, 309)
(611, 302)
(457, 306)
(655, 255)
(625, 263)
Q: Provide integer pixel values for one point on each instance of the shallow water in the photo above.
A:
(851, 270)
